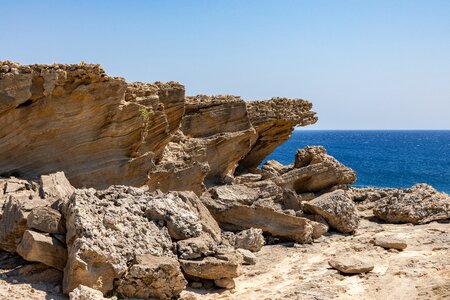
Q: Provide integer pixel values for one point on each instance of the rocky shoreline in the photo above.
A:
(116, 189)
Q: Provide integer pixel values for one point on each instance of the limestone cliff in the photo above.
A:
(101, 130)
(98, 129)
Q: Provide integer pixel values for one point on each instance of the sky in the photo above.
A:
(363, 64)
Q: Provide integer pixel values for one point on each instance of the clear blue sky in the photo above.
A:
(364, 64)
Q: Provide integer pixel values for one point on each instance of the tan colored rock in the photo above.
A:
(226, 283)
(351, 265)
(250, 239)
(123, 125)
(106, 230)
(257, 205)
(46, 219)
(56, 186)
(337, 208)
(226, 265)
(152, 277)
(274, 121)
(249, 258)
(14, 220)
(315, 171)
(43, 248)
(85, 293)
(390, 242)
(203, 245)
(418, 205)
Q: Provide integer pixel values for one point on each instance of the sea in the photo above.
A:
(381, 158)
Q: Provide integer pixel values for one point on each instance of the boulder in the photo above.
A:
(351, 265)
(106, 230)
(274, 121)
(250, 239)
(315, 171)
(227, 265)
(240, 207)
(181, 221)
(56, 186)
(226, 283)
(46, 219)
(203, 245)
(418, 205)
(152, 276)
(337, 208)
(14, 220)
(43, 248)
(125, 125)
(249, 258)
(390, 242)
(82, 292)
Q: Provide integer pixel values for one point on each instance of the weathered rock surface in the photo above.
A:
(274, 121)
(42, 248)
(108, 128)
(337, 208)
(105, 231)
(351, 265)
(239, 207)
(390, 242)
(153, 277)
(315, 171)
(14, 220)
(227, 265)
(418, 205)
(85, 293)
(56, 186)
(46, 219)
(248, 257)
(250, 239)
(226, 283)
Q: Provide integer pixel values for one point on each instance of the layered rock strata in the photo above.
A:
(101, 130)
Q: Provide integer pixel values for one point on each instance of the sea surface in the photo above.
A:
(381, 158)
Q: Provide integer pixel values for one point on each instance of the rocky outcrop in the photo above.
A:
(316, 171)
(152, 277)
(337, 208)
(274, 121)
(39, 247)
(133, 133)
(418, 205)
(257, 205)
(98, 129)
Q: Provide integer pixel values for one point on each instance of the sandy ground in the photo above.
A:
(292, 271)
(421, 271)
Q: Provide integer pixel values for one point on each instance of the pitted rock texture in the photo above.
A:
(274, 121)
(105, 230)
(337, 208)
(257, 205)
(418, 205)
(98, 129)
(153, 276)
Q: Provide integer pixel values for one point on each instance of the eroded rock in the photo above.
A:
(227, 265)
(152, 277)
(43, 248)
(105, 231)
(418, 205)
(351, 265)
(46, 219)
(337, 208)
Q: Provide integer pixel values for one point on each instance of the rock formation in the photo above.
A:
(101, 130)
(164, 190)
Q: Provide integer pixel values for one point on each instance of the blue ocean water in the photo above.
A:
(381, 158)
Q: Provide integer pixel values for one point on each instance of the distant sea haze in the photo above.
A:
(381, 158)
